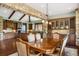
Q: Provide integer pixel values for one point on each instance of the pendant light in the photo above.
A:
(45, 21)
(47, 13)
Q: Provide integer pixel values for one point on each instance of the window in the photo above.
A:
(38, 27)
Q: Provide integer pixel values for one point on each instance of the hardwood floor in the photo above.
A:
(7, 46)
(14, 54)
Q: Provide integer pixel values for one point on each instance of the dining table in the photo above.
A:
(45, 45)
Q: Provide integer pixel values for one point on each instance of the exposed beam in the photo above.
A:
(22, 16)
(11, 14)
(29, 19)
(28, 10)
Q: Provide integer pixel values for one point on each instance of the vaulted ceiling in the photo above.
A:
(10, 14)
(54, 9)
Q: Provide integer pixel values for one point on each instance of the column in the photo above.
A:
(45, 28)
(77, 27)
(1, 28)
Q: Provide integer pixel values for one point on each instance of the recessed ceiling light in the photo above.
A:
(69, 8)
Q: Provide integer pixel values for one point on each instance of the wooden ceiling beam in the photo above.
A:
(11, 14)
(29, 19)
(22, 16)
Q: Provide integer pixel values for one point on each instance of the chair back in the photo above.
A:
(56, 36)
(31, 37)
(64, 44)
(38, 36)
(21, 48)
(23, 36)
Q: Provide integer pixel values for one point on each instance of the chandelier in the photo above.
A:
(46, 21)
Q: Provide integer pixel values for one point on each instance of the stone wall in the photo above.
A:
(77, 27)
(1, 24)
(1, 28)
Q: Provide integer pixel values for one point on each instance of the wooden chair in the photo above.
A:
(23, 48)
(31, 37)
(23, 36)
(56, 36)
(59, 51)
(38, 37)
(50, 35)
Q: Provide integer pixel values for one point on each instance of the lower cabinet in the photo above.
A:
(7, 45)
(72, 40)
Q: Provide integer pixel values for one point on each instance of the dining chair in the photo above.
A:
(23, 36)
(64, 44)
(31, 37)
(38, 36)
(23, 48)
(49, 35)
(59, 51)
(32, 51)
(56, 36)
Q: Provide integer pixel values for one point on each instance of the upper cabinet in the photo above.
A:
(67, 22)
(57, 25)
(62, 24)
(9, 24)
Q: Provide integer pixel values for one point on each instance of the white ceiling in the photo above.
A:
(16, 16)
(54, 8)
(5, 13)
(34, 19)
(25, 19)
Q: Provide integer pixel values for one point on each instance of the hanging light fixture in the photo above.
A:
(50, 23)
(47, 13)
(45, 21)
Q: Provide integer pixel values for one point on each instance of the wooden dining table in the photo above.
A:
(45, 45)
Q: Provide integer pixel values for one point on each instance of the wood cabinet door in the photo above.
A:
(72, 40)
